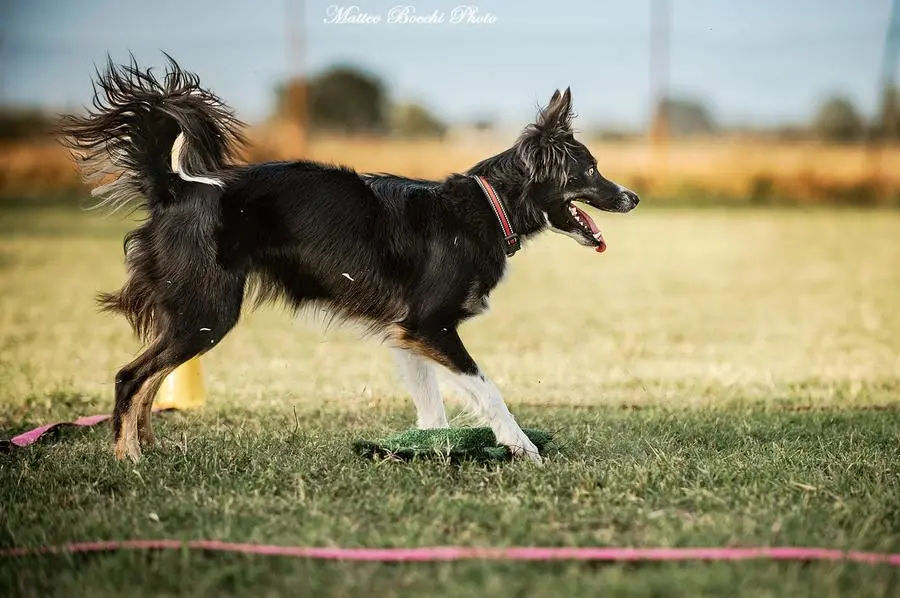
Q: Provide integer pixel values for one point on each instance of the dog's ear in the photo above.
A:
(542, 146)
(554, 98)
(557, 116)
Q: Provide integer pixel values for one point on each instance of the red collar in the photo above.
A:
(511, 239)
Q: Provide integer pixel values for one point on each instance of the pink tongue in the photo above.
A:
(594, 230)
(585, 218)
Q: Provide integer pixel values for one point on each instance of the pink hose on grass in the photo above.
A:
(444, 553)
(451, 553)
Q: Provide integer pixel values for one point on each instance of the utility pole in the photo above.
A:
(295, 24)
(660, 28)
(887, 84)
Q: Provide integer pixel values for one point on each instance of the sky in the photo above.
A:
(753, 62)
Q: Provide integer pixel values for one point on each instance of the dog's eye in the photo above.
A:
(591, 171)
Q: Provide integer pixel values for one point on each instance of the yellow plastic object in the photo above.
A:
(183, 388)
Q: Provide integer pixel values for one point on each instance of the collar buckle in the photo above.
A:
(512, 244)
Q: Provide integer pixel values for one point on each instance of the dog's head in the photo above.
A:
(562, 171)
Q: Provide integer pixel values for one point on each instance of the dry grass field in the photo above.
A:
(686, 307)
(726, 170)
(717, 377)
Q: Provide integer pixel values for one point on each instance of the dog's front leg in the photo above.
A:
(420, 380)
(489, 404)
(443, 345)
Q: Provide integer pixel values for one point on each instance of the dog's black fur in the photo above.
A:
(409, 258)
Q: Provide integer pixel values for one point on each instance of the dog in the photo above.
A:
(409, 258)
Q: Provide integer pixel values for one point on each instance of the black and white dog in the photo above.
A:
(411, 259)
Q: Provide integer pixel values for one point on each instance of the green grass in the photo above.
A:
(716, 378)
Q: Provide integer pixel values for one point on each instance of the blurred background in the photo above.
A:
(728, 110)
(757, 283)
(700, 101)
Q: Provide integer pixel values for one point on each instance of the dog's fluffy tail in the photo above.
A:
(143, 131)
(146, 143)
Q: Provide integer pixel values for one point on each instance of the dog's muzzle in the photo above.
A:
(628, 200)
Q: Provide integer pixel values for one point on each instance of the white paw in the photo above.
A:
(520, 445)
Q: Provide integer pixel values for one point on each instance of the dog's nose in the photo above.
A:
(633, 197)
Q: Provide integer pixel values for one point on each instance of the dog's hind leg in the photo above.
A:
(191, 326)
(143, 401)
(146, 437)
(144, 398)
(131, 381)
(443, 345)
(420, 379)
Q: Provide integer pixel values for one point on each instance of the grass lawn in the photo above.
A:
(716, 378)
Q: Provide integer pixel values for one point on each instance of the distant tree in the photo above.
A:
(611, 134)
(837, 120)
(414, 120)
(683, 117)
(20, 124)
(889, 127)
(342, 99)
(791, 132)
(347, 100)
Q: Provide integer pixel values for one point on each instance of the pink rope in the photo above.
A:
(443, 553)
(32, 436)
(452, 553)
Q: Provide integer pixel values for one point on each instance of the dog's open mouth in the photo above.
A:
(587, 226)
